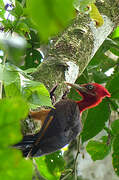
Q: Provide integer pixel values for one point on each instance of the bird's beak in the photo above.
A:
(77, 87)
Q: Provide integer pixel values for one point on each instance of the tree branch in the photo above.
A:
(71, 51)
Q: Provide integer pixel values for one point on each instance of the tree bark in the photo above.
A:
(70, 52)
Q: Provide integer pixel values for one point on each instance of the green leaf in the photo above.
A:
(95, 120)
(13, 89)
(99, 57)
(30, 70)
(107, 63)
(99, 77)
(33, 58)
(116, 145)
(81, 80)
(113, 85)
(115, 51)
(74, 95)
(7, 24)
(113, 104)
(115, 155)
(36, 93)
(11, 112)
(22, 27)
(2, 4)
(115, 127)
(55, 13)
(34, 38)
(51, 166)
(2, 9)
(14, 165)
(18, 10)
(55, 163)
(115, 162)
(8, 74)
(97, 150)
(115, 34)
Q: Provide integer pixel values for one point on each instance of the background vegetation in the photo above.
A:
(25, 26)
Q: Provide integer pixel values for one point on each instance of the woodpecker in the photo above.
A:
(61, 124)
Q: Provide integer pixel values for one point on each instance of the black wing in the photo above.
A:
(60, 127)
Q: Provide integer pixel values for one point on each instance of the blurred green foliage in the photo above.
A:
(12, 163)
(35, 22)
(52, 17)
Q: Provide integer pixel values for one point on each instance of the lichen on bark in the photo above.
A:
(77, 43)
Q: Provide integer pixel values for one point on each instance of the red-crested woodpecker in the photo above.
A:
(60, 125)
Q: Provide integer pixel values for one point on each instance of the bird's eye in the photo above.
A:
(89, 86)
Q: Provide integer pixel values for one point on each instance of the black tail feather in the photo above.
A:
(31, 143)
(26, 144)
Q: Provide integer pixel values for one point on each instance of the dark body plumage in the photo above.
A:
(63, 128)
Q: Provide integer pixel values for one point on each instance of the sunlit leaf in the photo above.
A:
(11, 112)
(115, 34)
(36, 93)
(13, 89)
(22, 27)
(14, 165)
(8, 74)
(51, 166)
(17, 10)
(2, 9)
(7, 24)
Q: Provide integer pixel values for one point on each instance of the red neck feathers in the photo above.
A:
(88, 102)
(92, 95)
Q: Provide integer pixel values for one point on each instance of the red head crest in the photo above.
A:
(92, 94)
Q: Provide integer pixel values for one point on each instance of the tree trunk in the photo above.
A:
(69, 53)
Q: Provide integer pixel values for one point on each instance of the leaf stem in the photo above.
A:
(65, 177)
(75, 161)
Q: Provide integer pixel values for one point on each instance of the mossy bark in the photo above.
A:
(77, 44)
(67, 47)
